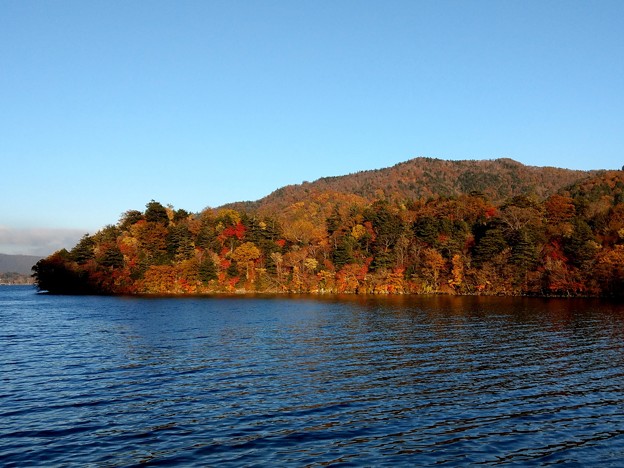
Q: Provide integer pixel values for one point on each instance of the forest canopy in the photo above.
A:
(563, 242)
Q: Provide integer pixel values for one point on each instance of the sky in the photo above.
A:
(106, 105)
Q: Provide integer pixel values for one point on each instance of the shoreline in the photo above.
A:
(241, 293)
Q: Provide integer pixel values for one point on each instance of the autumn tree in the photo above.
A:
(559, 209)
(568, 243)
(56, 274)
(245, 255)
(129, 218)
(152, 242)
(434, 265)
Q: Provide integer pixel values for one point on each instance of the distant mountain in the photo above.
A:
(423, 178)
(17, 263)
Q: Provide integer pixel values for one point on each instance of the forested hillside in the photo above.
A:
(420, 178)
(541, 239)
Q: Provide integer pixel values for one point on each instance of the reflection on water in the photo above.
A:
(310, 381)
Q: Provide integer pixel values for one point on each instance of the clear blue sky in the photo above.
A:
(105, 105)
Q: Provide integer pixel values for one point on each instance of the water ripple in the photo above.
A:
(91, 381)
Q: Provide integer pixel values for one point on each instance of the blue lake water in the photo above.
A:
(309, 381)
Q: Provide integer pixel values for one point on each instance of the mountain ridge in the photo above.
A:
(21, 264)
(423, 177)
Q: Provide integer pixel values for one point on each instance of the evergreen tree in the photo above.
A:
(156, 213)
(388, 227)
(490, 245)
(112, 258)
(179, 243)
(207, 237)
(334, 221)
(426, 229)
(207, 270)
(343, 253)
(580, 246)
(180, 215)
(232, 270)
(83, 251)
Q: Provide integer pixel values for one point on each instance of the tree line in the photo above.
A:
(568, 244)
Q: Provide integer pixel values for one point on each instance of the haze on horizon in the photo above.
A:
(108, 105)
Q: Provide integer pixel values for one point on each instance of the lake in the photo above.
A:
(309, 381)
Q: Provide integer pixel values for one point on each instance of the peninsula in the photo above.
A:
(424, 226)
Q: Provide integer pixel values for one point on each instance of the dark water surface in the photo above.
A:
(309, 381)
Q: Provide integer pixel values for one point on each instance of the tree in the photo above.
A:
(179, 243)
(276, 262)
(580, 247)
(488, 246)
(524, 256)
(559, 209)
(434, 264)
(523, 252)
(112, 257)
(263, 232)
(151, 241)
(244, 255)
(388, 227)
(156, 213)
(426, 229)
(129, 218)
(333, 221)
(342, 254)
(84, 250)
(207, 236)
(207, 270)
(57, 275)
(180, 215)
(457, 271)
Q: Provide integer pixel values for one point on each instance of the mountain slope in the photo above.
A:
(420, 178)
(607, 186)
(17, 263)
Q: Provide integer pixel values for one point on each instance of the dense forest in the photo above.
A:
(556, 232)
(419, 178)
